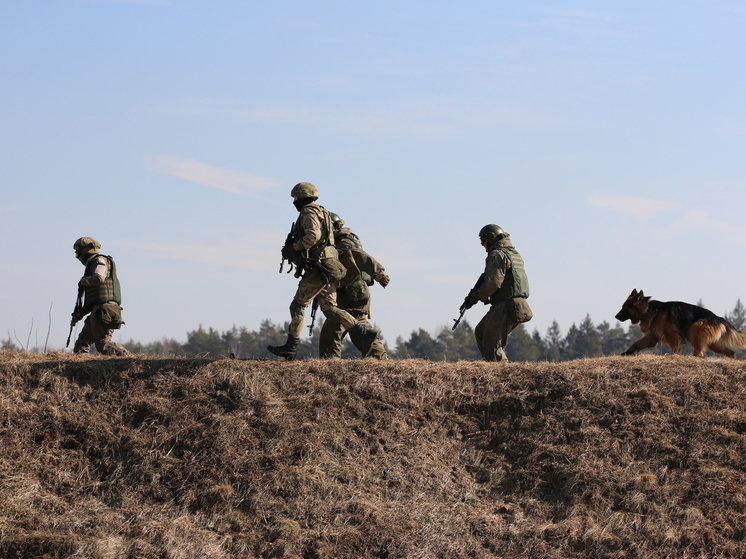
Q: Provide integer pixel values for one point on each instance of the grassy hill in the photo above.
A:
(181, 458)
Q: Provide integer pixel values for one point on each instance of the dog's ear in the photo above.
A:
(634, 293)
(641, 295)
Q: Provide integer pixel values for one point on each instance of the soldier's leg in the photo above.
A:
(102, 337)
(308, 288)
(330, 339)
(328, 305)
(377, 349)
(85, 338)
(493, 333)
(479, 335)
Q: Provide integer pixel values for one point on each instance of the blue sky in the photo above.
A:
(607, 137)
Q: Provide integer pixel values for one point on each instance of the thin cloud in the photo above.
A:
(639, 207)
(230, 250)
(700, 220)
(235, 182)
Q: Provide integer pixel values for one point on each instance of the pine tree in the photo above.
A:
(420, 345)
(204, 343)
(613, 340)
(583, 341)
(553, 343)
(459, 344)
(521, 346)
(738, 317)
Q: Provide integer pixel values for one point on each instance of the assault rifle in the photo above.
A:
(314, 308)
(467, 304)
(287, 248)
(76, 310)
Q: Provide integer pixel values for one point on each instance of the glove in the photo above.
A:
(383, 279)
(471, 299)
(78, 315)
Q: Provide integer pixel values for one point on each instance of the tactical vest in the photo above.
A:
(327, 232)
(515, 283)
(109, 290)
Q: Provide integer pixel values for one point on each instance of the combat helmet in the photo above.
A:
(305, 190)
(337, 221)
(85, 247)
(491, 233)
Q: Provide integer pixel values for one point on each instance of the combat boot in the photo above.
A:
(288, 350)
(367, 337)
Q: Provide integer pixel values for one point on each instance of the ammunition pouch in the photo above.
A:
(519, 310)
(333, 268)
(111, 315)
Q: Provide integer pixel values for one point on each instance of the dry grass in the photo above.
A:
(141, 458)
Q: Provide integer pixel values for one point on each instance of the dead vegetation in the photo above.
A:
(139, 458)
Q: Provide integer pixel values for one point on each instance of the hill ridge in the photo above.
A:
(145, 457)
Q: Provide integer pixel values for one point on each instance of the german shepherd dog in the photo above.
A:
(675, 323)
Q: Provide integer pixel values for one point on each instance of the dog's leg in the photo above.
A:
(719, 347)
(702, 335)
(648, 340)
(674, 341)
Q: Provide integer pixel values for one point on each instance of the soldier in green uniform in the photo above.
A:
(317, 264)
(504, 286)
(102, 298)
(353, 294)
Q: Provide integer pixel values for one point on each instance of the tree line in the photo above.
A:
(585, 339)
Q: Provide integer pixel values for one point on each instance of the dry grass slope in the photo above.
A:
(174, 458)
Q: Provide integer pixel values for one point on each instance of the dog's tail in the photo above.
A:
(731, 337)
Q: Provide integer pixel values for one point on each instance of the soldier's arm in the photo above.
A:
(494, 275)
(366, 263)
(312, 228)
(98, 274)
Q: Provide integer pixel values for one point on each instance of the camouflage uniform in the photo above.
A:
(353, 296)
(102, 295)
(505, 288)
(317, 263)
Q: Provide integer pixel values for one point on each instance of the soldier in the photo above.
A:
(102, 298)
(504, 285)
(353, 294)
(317, 264)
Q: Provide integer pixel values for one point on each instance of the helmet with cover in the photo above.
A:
(491, 233)
(305, 190)
(85, 247)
